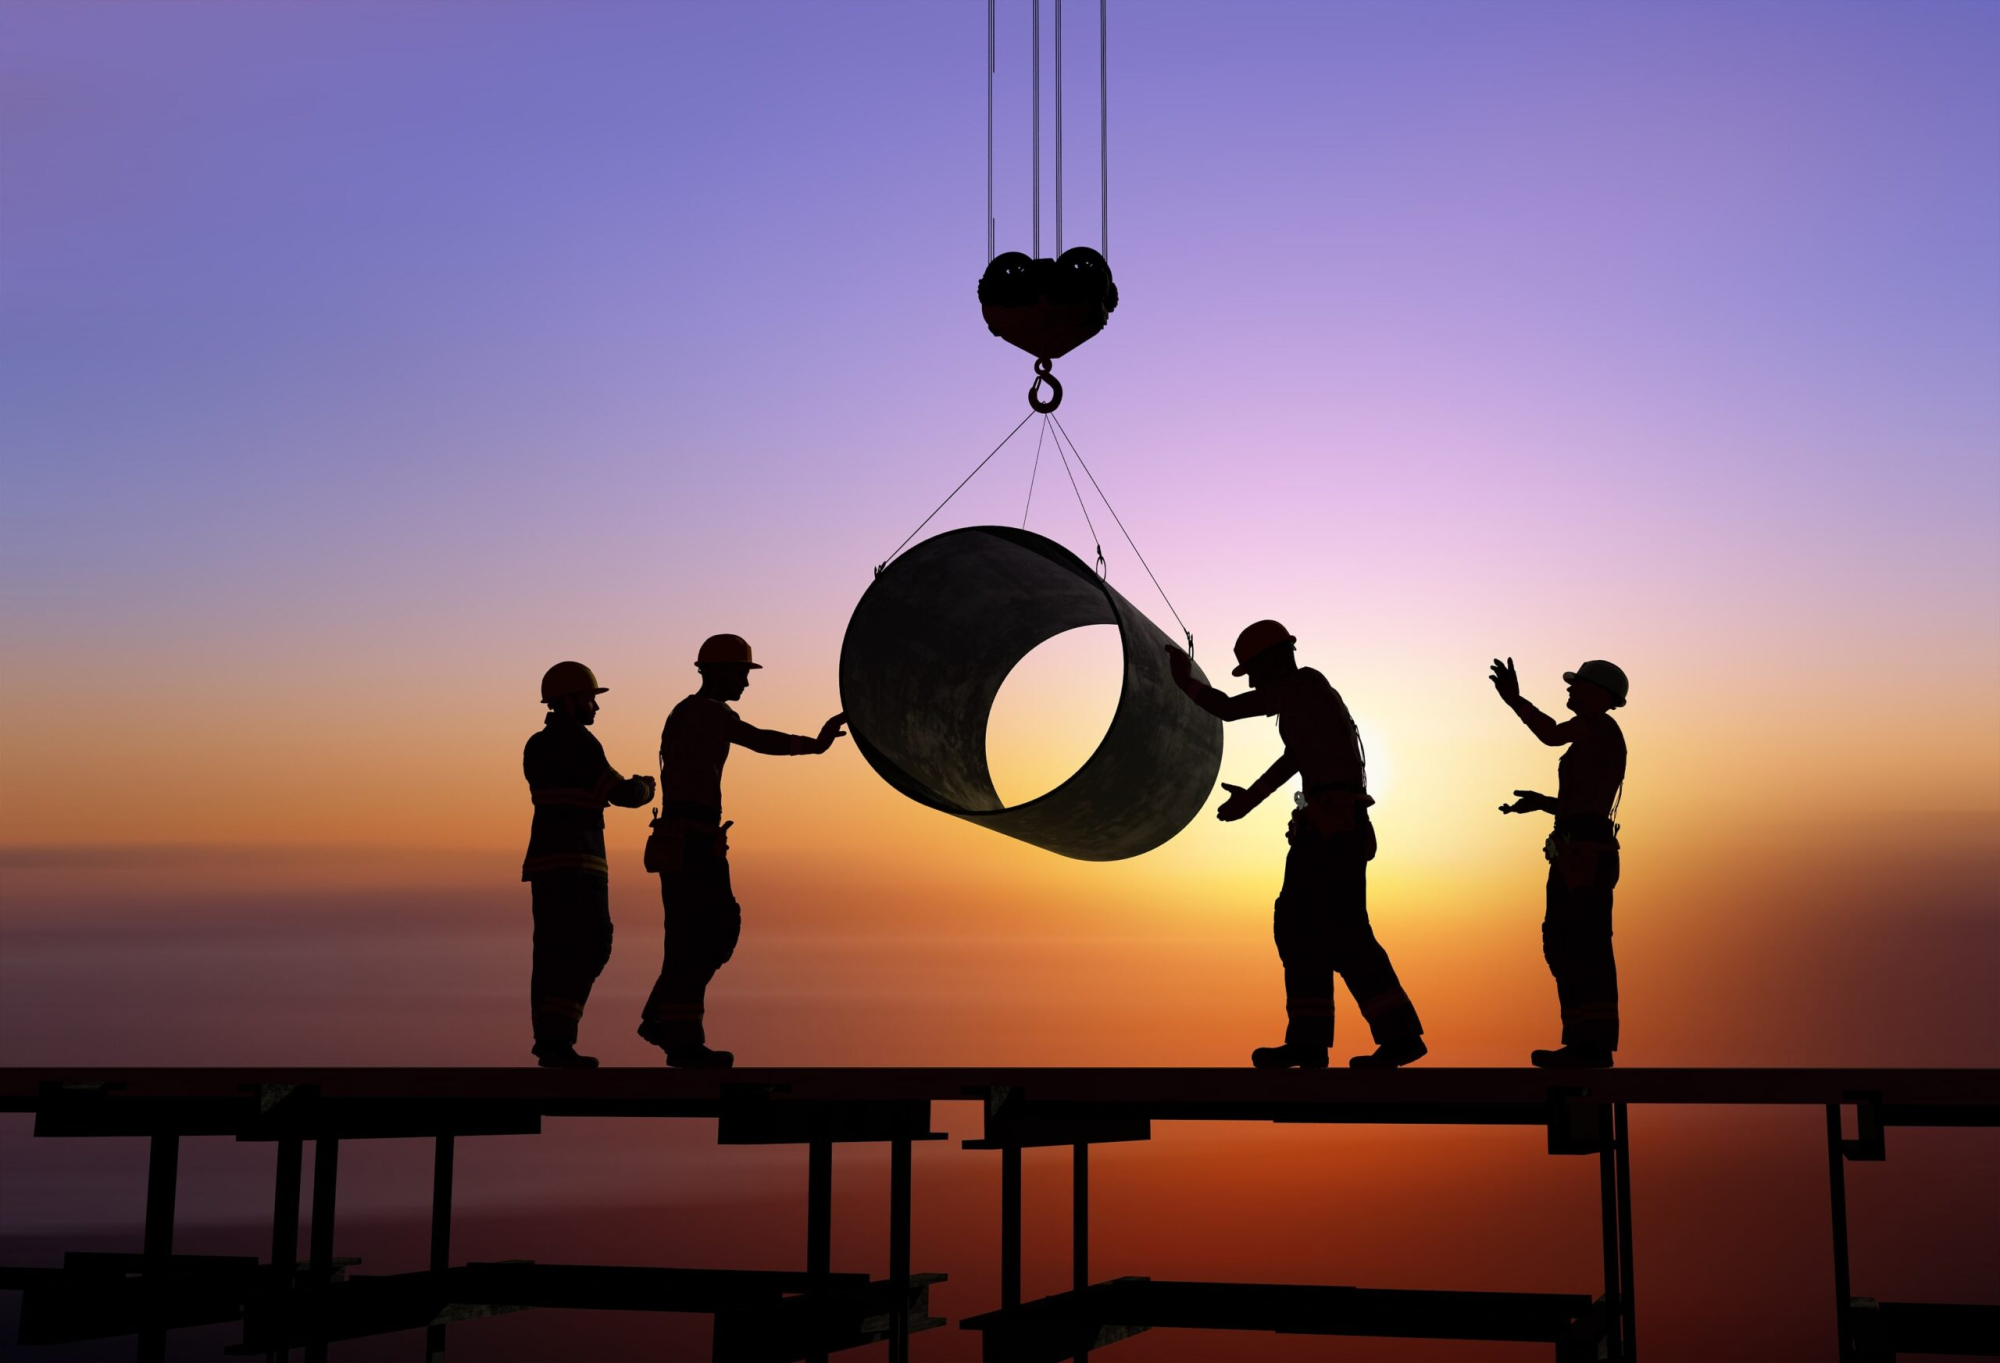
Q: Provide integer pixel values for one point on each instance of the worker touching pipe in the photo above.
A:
(689, 847)
(1321, 919)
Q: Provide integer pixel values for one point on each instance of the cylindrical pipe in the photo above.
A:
(934, 637)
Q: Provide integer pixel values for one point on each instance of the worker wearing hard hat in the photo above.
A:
(571, 782)
(1582, 853)
(690, 846)
(1321, 923)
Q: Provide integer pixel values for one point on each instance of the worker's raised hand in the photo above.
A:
(651, 787)
(1236, 806)
(1529, 802)
(1506, 681)
(1179, 663)
(831, 730)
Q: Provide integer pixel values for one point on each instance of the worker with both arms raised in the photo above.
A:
(1582, 853)
(571, 783)
(1321, 921)
(689, 847)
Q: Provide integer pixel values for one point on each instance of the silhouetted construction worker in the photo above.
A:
(570, 782)
(1582, 853)
(690, 846)
(1321, 924)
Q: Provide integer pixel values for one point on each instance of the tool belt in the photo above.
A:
(684, 830)
(1327, 810)
(1576, 859)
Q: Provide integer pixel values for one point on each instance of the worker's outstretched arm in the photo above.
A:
(1241, 801)
(775, 744)
(1217, 703)
(628, 792)
(1508, 683)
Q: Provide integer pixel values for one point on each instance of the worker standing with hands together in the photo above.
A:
(571, 783)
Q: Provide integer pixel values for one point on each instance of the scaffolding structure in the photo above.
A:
(813, 1313)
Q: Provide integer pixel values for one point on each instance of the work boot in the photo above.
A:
(1391, 1054)
(1572, 1058)
(700, 1058)
(563, 1058)
(1286, 1056)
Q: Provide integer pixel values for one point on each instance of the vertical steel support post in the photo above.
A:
(1621, 1133)
(326, 1179)
(285, 1210)
(1079, 1244)
(899, 1250)
(1607, 1203)
(441, 1172)
(1010, 1227)
(1836, 1162)
(285, 1224)
(819, 1209)
(326, 1175)
(162, 1175)
(819, 1219)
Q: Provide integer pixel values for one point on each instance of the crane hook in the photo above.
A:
(1042, 376)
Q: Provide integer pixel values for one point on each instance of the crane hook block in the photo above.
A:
(1047, 307)
(935, 635)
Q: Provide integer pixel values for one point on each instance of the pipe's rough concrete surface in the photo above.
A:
(935, 635)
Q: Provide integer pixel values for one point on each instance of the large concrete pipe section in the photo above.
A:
(937, 633)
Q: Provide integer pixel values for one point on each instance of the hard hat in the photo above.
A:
(725, 648)
(566, 679)
(1265, 634)
(1610, 676)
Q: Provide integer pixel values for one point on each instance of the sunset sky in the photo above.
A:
(360, 360)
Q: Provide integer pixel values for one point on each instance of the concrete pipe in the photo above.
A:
(937, 633)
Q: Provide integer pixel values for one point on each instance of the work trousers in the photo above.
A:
(1576, 940)
(703, 922)
(1322, 929)
(572, 943)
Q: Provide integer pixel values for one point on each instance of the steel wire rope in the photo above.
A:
(1059, 139)
(1096, 543)
(990, 33)
(1063, 435)
(1035, 96)
(1034, 469)
(953, 493)
(1104, 128)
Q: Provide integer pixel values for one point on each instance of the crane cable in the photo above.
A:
(1103, 125)
(989, 127)
(1035, 96)
(1062, 433)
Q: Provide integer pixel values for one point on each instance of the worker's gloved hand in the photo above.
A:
(650, 784)
(1530, 802)
(831, 730)
(1179, 664)
(1506, 681)
(1236, 806)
